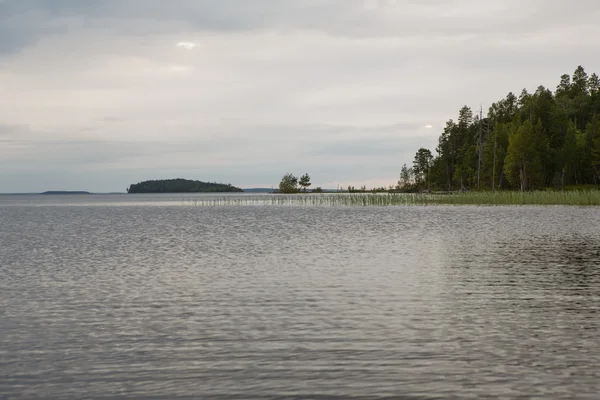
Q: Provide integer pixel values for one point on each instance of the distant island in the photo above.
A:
(181, 186)
(64, 192)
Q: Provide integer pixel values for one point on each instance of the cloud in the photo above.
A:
(180, 68)
(244, 156)
(25, 21)
(186, 45)
(121, 90)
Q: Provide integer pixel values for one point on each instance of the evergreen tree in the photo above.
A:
(405, 176)
(522, 161)
(421, 166)
(580, 81)
(538, 139)
(569, 156)
(593, 134)
(594, 83)
(304, 182)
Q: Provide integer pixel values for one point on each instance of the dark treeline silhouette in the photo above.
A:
(181, 186)
(536, 140)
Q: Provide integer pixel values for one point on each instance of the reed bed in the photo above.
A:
(572, 198)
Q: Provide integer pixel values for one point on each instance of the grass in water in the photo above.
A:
(573, 198)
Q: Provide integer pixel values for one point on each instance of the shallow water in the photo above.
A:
(143, 297)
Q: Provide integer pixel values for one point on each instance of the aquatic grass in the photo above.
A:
(573, 198)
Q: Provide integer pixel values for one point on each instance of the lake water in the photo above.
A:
(146, 297)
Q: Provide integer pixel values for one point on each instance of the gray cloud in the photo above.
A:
(100, 96)
(238, 157)
(24, 21)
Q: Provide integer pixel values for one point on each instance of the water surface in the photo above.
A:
(146, 297)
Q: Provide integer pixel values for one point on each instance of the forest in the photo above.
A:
(545, 139)
(181, 186)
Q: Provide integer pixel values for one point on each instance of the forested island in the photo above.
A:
(534, 141)
(180, 186)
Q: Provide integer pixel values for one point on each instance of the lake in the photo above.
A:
(152, 297)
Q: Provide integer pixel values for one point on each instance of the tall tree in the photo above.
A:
(580, 81)
(564, 87)
(448, 145)
(288, 184)
(304, 182)
(523, 159)
(593, 133)
(421, 166)
(594, 83)
(569, 155)
(405, 176)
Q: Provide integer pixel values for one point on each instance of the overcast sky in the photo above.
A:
(98, 94)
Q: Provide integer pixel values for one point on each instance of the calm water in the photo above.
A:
(142, 297)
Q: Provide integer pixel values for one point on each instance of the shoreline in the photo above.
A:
(499, 198)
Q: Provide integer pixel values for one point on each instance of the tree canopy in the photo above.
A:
(181, 186)
(288, 184)
(304, 182)
(535, 140)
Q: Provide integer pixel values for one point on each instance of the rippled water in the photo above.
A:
(144, 297)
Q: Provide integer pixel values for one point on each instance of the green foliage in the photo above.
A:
(318, 189)
(540, 139)
(288, 184)
(593, 138)
(304, 182)
(406, 176)
(523, 159)
(181, 186)
(421, 166)
(569, 155)
(594, 84)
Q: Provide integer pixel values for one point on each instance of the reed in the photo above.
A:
(572, 198)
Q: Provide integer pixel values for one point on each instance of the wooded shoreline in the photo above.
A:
(534, 141)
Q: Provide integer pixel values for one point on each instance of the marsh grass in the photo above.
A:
(573, 198)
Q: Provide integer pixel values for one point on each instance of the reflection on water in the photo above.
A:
(102, 300)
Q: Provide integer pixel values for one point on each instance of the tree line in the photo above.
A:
(536, 140)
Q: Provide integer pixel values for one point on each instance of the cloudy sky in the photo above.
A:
(98, 94)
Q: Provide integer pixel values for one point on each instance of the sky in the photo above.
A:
(99, 94)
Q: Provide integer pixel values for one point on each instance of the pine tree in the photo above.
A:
(304, 182)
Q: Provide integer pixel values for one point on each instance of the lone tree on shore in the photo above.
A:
(288, 184)
(304, 182)
(406, 176)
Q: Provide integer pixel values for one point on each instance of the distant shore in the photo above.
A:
(63, 192)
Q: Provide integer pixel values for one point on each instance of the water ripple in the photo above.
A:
(263, 302)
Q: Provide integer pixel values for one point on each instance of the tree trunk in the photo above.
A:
(523, 178)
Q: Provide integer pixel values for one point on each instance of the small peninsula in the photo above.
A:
(181, 186)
